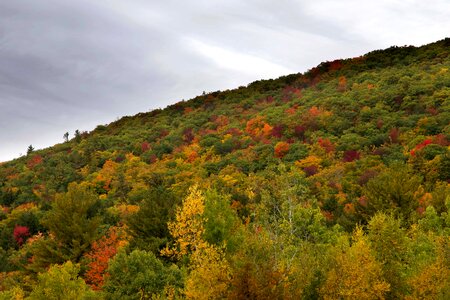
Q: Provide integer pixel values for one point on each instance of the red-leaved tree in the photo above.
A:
(20, 234)
(102, 251)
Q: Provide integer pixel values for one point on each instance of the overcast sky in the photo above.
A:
(67, 65)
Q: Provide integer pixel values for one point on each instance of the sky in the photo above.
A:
(67, 65)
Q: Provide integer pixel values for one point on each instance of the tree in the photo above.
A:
(255, 273)
(30, 149)
(102, 251)
(432, 281)
(188, 227)
(77, 136)
(393, 190)
(66, 137)
(209, 275)
(222, 225)
(62, 282)
(72, 223)
(148, 227)
(281, 149)
(356, 273)
(209, 271)
(74, 219)
(140, 275)
(20, 234)
(390, 244)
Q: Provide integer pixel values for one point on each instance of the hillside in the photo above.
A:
(283, 189)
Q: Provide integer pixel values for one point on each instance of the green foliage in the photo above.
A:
(72, 223)
(148, 226)
(394, 189)
(390, 244)
(140, 275)
(285, 170)
(74, 219)
(62, 282)
(222, 225)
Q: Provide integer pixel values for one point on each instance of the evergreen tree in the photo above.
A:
(30, 149)
(72, 223)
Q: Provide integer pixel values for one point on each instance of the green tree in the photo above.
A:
(72, 224)
(222, 225)
(30, 149)
(140, 275)
(148, 226)
(77, 136)
(66, 137)
(390, 244)
(62, 282)
(393, 190)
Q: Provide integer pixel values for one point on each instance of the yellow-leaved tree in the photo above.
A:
(188, 227)
(209, 271)
(356, 274)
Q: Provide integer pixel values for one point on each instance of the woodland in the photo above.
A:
(331, 184)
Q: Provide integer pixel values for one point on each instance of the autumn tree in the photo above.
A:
(342, 84)
(356, 274)
(255, 275)
(188, 227)
(209, 272)
(102, 251)
(432, 280)
(281, 149)
(209, 275)
(20, 234)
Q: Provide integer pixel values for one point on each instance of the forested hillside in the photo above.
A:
(332, 184)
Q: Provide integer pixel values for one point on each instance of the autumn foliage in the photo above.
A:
(331, 184)
(102, 251)
(20, 234)
(281, 148)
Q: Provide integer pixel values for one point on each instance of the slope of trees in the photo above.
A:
(333, 184)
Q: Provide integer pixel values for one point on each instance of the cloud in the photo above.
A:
(240, 62)
(74, 64)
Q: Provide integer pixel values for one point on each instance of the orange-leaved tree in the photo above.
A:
(102, 251)
(281, 149)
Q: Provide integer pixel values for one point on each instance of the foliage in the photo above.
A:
(394, 189)
(356, 274)
(275, 177)
(102, 251)
(72, 223)
(188, 227)
(139, 275)
(148, 226)
(390, 244)
(62, 282)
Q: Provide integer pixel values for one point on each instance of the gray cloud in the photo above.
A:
(67, 65)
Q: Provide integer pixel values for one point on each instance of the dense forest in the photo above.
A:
(332, 184)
